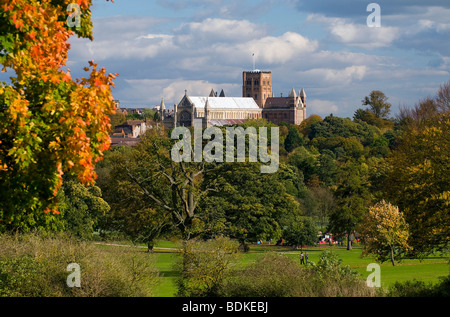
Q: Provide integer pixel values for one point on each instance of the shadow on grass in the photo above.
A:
(169, 273)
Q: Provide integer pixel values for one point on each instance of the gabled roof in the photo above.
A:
(131, 123)
(223, 122)
(237, 103)
(280, 102)
(118, 141)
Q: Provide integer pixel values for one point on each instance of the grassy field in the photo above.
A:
(427, 270)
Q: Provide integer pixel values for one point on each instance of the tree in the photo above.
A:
(293, 139)
(81, 207)
(365, 115)
(384, 232)
(299, 230)
(334, 132)
(378, 111)
(318, 204)
(250, 203)
(327, 168)
(117, 119)
(418, 177)
(306, 124)
(132, 213)
(380, 146)
(377, 103)
(170, 187)
(305, 161)
(443, 97)
(149, 113)
(352, 200)
(50, 124)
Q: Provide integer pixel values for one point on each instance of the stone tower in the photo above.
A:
(258, 85)
(162, 110)
(207, 120)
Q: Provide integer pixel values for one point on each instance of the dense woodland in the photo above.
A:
(332, 172)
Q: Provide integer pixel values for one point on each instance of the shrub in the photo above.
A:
(333, 279)
(417, 288)
(204, 266)
(270, 276)
(19, 276)
(280, 276)
(33, 265)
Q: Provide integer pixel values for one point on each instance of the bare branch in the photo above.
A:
(161, 203)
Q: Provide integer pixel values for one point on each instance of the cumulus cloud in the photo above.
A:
(121, 37)
(172, 90)
(357, 9)
(156, 59)
(218, 30)
(196, 46)
(336, 77)
(321, 107)
(426, 30)
(359, 35)
(272, 50)
(418, 25)
(228, 9)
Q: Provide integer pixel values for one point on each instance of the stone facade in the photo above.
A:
(291, 109)
(257, 85)
(131, 129)
(257, 102)
(213, 111)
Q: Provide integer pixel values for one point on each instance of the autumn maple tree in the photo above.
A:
(50, 123)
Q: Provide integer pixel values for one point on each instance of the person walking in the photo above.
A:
(302, 258)
(306, 258)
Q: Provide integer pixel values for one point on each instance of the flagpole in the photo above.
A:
(253, 61)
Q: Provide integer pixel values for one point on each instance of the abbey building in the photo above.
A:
(257, 102)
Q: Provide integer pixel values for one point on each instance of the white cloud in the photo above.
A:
(121, 38)
(274, 50)
(287, 48)
(217, 30)
(358, 35)
(155, 61)
(335, 77)
(198, 46)
(321, 107)
(172, 90)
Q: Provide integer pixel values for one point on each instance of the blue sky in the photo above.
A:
(160, 48)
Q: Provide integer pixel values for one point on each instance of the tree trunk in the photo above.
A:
(243, 247)
(349, 242)
(392, 256)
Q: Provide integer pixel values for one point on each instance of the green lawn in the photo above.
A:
(427, 270)
(164, 263)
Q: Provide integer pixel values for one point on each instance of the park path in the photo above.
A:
(134, 246)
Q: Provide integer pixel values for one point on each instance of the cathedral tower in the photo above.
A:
(258, 85)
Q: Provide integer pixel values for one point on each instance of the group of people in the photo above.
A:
(304, 258)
